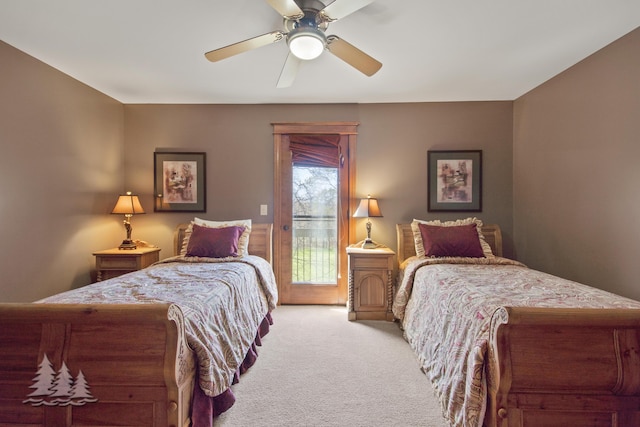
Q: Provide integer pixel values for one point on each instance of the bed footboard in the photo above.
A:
(564, 367)
(94, 365)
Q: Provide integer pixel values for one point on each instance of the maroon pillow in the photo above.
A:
(214, 242)
(457, 241)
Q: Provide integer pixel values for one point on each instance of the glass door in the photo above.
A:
(311, 213)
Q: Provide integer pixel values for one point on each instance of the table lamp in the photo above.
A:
(128, 205)
(368, 208)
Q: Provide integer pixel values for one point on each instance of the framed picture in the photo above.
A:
(455, 181)
(179, 182)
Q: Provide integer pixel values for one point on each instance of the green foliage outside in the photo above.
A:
(315, 206)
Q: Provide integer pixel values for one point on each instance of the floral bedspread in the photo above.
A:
(223, 302)
(446, 305)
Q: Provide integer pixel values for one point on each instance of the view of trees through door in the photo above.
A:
(315, 226)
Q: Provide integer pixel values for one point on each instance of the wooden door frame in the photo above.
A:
(348, 129)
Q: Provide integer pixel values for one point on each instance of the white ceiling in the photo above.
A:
(152, 51)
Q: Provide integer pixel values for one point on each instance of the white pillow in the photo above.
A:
(243, 242)
(419, 244)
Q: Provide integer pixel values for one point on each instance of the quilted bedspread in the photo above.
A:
(446, 304)
(223, 302)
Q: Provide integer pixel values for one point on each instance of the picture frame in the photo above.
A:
(180, 182)
(454, 181)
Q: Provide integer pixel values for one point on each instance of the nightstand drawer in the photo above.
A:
(370, 261)
(117, 262)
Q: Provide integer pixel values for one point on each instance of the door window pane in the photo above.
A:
(315, 226)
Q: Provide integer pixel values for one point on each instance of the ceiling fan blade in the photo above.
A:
(243, 46)
(289, 71)
(341, 8)
(353, 56)
(287, 8)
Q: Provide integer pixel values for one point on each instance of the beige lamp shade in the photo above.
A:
(368, 208)
(128, 204)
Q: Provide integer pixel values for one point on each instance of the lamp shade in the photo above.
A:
(368, 208)
(128, 204)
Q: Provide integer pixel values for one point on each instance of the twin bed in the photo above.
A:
(505, 345)
(160, 346)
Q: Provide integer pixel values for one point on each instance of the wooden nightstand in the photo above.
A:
(116, 262)
(370, 283)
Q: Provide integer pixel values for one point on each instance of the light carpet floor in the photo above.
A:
(315, 368)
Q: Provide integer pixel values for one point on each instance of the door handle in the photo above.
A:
(285, 227)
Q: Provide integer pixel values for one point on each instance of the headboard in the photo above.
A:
(260, 240)
(407, 248)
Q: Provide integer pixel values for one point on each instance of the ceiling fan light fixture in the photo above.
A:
(306, 43)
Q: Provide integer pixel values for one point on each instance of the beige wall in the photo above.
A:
(559, 168)
(576, 174)
(71, 150)
(391, 157)
(61, 161)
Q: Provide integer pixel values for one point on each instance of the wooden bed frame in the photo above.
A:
(558, 367)
(134, 357)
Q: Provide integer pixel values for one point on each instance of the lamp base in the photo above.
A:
(369, 244)
(127, 244)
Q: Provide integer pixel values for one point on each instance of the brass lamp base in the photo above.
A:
(368, 244)
(127, 244)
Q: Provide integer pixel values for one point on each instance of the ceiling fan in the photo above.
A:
(305, 23)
